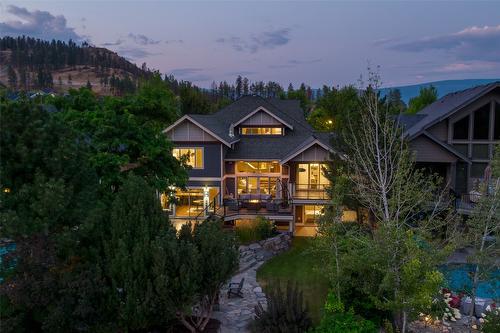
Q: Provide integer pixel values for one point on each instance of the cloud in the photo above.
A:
(174, 41)
(185, 71)
(242, 73)
(118, 42)
(142, 40)
(470, 44)
(295, 62)
(134, 53)
(254, 43)
(465, 67)
(303, 62)
(39, 24)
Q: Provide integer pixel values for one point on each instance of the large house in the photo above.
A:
(255, 157)
(456, 137)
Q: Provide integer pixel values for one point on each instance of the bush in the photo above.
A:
(346, 322)
(286, 311)
(336, 320)
(265, 228)
(491, 321)
(256, 230)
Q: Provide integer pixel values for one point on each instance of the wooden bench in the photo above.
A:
(235, 289)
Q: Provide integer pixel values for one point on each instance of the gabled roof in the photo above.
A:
(262, 109)
(311, 141)
(204, 123)
(447, 147)
(443, 108)
(276, 147)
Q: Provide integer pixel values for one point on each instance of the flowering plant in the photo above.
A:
(447, 305)
(490, 319)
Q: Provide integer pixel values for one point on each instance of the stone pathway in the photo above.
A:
(235, 314)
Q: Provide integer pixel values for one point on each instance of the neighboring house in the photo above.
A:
(456, 137)
(255, 157)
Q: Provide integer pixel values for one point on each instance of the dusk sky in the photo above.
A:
(313, 42)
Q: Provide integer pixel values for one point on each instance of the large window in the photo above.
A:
(194, 156)
(310, 176)
(496, 136)
(461, 129)
(257, 185)
(312, 213)
(257, 167)
(482, 123)
(262, 131)
(192, 202)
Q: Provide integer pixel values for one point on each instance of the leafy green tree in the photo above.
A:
(483, 232)
(393, 262)
(427, 96)
(334, 108)
(204, 264)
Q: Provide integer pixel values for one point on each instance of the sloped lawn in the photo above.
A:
(297, 265)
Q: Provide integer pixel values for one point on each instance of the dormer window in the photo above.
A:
(261, 130)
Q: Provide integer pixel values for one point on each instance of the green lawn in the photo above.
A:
(298, 265)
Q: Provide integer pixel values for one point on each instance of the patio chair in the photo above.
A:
(235, 289)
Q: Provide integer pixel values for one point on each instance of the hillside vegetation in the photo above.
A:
(27, 63)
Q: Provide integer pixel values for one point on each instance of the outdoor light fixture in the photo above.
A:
(206, 199)
(6, 190)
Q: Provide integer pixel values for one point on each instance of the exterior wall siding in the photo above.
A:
(187, 131)
(211, 159)
(428, 151)
(315, 153)
(260, 118)
(440, 130)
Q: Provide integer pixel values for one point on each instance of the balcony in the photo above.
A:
(309, 191)
(255, 205)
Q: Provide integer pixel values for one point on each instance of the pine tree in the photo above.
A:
(88, 85)
(239, 86)
(12, 77)
(245, 86)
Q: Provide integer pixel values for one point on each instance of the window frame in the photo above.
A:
(254, 130)
(202, 149)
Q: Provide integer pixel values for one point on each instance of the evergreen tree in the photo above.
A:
(239, 86)
(11, 77)
(245, 86)
(88, 85)
(136, 239)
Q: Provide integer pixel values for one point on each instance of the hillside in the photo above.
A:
(443, 87)
(27, 63)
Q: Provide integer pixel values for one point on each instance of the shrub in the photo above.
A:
(256, 230)
(265, 228)
(286, 311)
(336, 320)
(346, 322)
(491, 322)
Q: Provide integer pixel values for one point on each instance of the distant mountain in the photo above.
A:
(443, 87)
(29, 64)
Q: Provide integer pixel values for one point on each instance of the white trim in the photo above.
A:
(205, 179)
(261, 108)
(187, 117)
(301, 150)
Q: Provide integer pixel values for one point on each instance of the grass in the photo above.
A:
(298, 266)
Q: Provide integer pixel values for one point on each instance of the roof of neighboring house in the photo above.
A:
(262, 147)
(443, 108)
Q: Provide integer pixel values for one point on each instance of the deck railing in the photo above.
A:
(255, 206)
(310, 191)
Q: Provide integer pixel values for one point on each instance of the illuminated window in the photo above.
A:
(194, 156)
(257, 167)
(262, 130)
